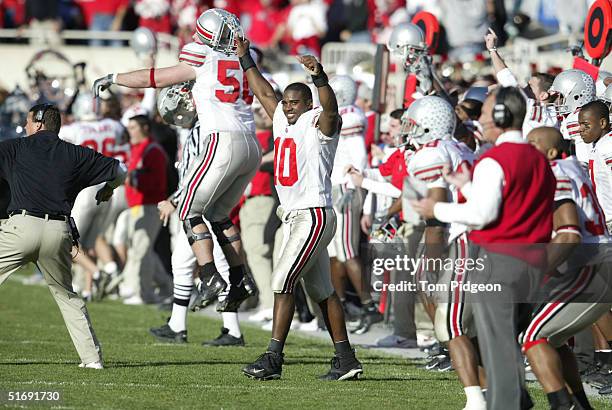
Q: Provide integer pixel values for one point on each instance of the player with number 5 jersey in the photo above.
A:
(216, 180)
(305, 141)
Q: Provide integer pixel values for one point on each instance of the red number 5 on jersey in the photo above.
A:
(285, 162)
(231, 96)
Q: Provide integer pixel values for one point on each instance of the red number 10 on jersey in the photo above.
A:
(285, 162)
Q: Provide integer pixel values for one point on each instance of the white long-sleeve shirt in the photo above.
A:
(483, 193)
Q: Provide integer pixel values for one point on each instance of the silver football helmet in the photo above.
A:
(175, 105)
(144, 41)
(219, 29)
(345, 89)
(427, 119)
(575, 89)
(407, 41)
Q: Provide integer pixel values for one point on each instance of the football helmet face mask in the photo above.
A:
(574, 88)
(427, 119)
(219, 29)
(175, 105)
(345, 89)
(408, 42)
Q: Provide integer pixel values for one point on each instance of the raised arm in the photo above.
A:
(148, 77)
(329, 120)
(491, 44)
(257, 83)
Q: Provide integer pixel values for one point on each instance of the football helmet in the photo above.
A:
(575, 89)
(175, 105)
(219, 29)
(345, 89)
(384, 230)
(427, 119)
(144, 41)
(408, 42)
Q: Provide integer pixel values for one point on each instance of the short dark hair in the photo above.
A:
(143, 121)
(515, 102)
(301, 88)
(397, 114)
(546, 80)
(47, 114)
(599, 108)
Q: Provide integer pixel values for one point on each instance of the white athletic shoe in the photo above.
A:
(133, 300)
(93, 365)
(262, 315)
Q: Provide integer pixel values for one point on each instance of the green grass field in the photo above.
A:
(36, 354)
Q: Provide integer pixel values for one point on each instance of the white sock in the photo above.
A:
(111, 267)
(475, 398)
(178, 320)
(230, 322)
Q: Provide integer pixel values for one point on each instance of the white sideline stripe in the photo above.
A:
(247, 386)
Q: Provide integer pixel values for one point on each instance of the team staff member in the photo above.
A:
(507, 203)
(145, 188)
(45, 175)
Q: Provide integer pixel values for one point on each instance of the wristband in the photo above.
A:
(246, 61)
(492, 49)
(152, 78)
(320, 80)
(114, 78)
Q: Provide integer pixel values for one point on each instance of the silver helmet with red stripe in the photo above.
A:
(427, 119)
(219, 29)
(175, 105)
(345, 89)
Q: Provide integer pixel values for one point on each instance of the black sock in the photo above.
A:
(559, 398)
(603, 356)
(582, 399)
(276, 346)
(236, 273)
(342, 347)
(207, 270)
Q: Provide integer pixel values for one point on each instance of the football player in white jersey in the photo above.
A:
(218, 178)
(577, 219)
(573, 88)
(429, 123)
(106, 136)
(183, 259)
(348, 199)
(596, 133)
(305, 141)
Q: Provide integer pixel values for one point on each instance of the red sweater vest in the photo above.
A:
(526, 213)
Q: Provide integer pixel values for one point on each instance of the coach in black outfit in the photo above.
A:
(45, 174)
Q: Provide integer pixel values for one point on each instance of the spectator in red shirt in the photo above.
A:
(146, 186)
(262, 22)
(104, 15)
(154, 15)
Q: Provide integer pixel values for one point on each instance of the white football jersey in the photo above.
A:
(351, 145)
(427, 164)
(573, 183)
(104, 136)
(221, 92)
(570, 129)
(303, 161)
(600, 171)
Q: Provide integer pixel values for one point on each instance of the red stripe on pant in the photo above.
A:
(307, 250)
(456, 305)
(347, 232)
(199, 174)
(551, 309)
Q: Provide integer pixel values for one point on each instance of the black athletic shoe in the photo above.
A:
(344, 366)
(233, 300)
(167, 335)
(597, 375)
(268, 366)
(225, 339)
(434, 360)
(207, 291)
(605, 390)
(445, 364)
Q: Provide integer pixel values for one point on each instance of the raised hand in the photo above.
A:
(310, 63)
(459, 178)
(491, 39)
(242, 46)
(102, 84)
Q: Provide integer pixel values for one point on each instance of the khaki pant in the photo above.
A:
(254, 215)
(143, 268)
(47, 243)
